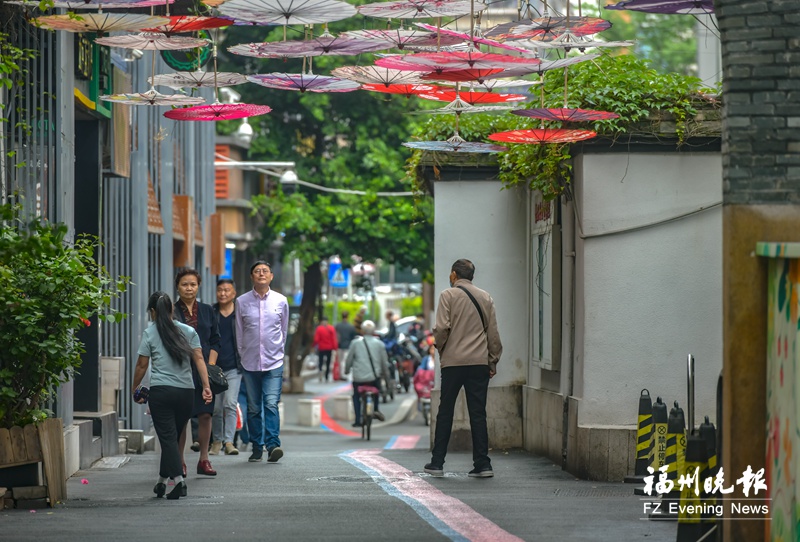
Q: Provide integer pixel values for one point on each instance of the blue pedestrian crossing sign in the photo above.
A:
(338, 277)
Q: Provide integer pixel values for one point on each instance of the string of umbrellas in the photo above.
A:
(462, 68)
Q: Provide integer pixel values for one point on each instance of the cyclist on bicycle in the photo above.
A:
(368, 360)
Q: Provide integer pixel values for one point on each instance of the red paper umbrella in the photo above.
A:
(403, 90)
(473, 98)
(543, 135)
(190, 23)
(218, 111)
(463, 60)
(566, 114)
(547, 28)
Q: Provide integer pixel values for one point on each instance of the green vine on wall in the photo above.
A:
(651, 104)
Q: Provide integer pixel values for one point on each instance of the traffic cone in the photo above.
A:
(709, 434)
(659, 443)
(676, 453)
(644, 439)
(692, 525)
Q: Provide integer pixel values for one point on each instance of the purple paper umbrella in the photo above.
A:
(547, 28)
(412, 9)
(565, 114)
(455, 145)
(93, 4)
(322, 45)
(466, 37)
(303, 82)
(689, 7)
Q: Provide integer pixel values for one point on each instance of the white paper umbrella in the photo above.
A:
(569, 41)
(491, 84)
(197, 79)
(414, 9)
(152, 97)
(287, 12)
(406, 38)
(98, 22)
(377, 75)
(322, 45)
(152, 41)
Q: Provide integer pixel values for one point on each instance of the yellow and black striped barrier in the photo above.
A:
(693, 509)
(644, 439)
(658, 456)
(675, 458)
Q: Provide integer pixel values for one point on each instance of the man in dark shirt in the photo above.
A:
(224, 419)
(345, 333)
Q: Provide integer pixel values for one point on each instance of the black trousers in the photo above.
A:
(170, 409)
(325, 361)
(475, 381)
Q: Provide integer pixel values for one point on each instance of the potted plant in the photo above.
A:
(49, 288)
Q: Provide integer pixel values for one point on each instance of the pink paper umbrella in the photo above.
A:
(463, 36)
(565, 114)
(460, 60)
(92, 4)
(543, 135)
(412, 9)
(218, 111)
(322, 45)
(97, 22)
(303, 82)
(189, 23)
(403, 39)
(547, 28)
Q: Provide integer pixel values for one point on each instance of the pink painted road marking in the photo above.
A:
(329, 422)
(405, 442)
(453, 513)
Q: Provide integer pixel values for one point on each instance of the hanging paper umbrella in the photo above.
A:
(303, 82)
(473, 98)
(456, 61)
(481, 76)
(190, 23)
(197, 79)
(464, 36)
(402, 38)
(459, 106)
(97, 22)
(91, 4)
(218, 111)
(152, 41)
(213, 3)
(566, 114)
(412, 9)
(547, 28)
(287, 12)
(322, 45)
(568, 41)
(689, 7)
(543, 135)
(152, 97)
(402, 90)
(458, 76)
(455, 144)
(491, 84)
(376, 75)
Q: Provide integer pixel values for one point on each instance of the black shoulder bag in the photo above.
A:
(475, 302)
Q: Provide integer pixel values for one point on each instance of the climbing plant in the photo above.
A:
(649, 103)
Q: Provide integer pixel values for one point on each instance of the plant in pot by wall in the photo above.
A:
(49, 288)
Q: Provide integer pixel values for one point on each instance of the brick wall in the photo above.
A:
(761, 93)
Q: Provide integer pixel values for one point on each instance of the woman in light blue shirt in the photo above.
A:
(170, 345)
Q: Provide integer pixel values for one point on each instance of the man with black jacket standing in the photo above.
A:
(469, 348)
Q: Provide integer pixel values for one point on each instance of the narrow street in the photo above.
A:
(335, 486)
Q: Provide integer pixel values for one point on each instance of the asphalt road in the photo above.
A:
(334, 486)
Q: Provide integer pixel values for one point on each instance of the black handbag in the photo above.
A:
(216, 379)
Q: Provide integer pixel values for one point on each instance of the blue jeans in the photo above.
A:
(263, 395)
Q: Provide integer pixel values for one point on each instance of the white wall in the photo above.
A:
(479, 221)
(647, 297)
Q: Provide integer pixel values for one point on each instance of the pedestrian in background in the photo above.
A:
(262, 321)
(201, 317)
(326, 343)
(223, 422)
(391, 334)
(469, 346)
(369, 362)
(359, 319)
(345, 333)
(170, 346)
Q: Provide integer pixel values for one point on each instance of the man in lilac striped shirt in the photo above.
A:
(262, 321)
